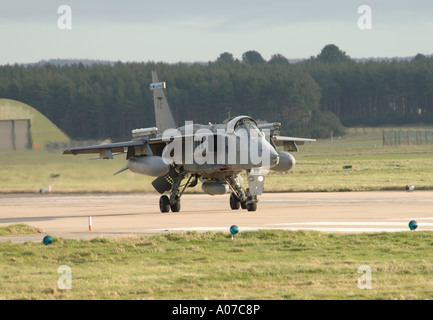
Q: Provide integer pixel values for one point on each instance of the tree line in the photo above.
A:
(311, 97)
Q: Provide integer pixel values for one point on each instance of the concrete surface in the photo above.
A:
(115, 215)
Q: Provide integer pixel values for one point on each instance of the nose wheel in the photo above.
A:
(250, 204)
(235, 203)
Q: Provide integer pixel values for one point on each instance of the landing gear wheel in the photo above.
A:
(234, 202)
(175, 207)
(243, 205)
(252, 206)
(164, 204)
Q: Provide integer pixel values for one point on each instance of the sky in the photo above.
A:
(199, 30)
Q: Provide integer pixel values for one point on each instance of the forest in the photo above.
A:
(310, 97)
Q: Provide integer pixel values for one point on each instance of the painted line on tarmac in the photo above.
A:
(408, 219)
(339, 230)
(341, 223)
(347, 200)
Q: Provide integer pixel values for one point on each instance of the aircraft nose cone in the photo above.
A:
(274, 157)
(263, 154)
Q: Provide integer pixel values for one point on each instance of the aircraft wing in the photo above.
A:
(183, 137)
(290, 143)
(112, 147)
(132, 148)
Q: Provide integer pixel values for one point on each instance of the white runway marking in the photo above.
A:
(359, 223)
(409, 219)
(404, 227)
(347, 200)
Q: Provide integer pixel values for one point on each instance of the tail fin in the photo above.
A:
(163, 116)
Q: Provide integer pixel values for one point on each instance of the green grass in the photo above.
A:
(29, 171)
(319, 168)
(18, 229)
(320, 165)
(256, 265)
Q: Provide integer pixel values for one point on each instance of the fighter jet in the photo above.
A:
(214, 154)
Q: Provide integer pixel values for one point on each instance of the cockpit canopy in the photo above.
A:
(242, 124)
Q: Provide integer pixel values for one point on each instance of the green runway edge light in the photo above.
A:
(413, 225)
(47, 240)
(234, 230)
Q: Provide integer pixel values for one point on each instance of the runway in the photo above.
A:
(115, 215)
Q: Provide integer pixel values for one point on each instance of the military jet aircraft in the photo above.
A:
(214, 154)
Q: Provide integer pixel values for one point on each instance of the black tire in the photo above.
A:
(164, 204)
(235, 203)
(175, 207)
(252, 206)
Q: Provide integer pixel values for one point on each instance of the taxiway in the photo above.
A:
(119, 215)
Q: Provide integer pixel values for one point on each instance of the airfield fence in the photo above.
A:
(407, 137)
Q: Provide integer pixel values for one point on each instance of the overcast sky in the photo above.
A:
(200, 30)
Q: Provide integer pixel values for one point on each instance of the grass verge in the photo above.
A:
(18, 229)
(255, 265)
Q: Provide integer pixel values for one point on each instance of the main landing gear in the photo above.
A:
(173, 202)
(165, 206)
(239, 198)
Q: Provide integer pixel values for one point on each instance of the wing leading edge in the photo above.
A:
(118, 147)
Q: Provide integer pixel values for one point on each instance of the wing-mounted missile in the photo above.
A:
(144, 133)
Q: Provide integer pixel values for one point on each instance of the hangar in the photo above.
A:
(23, 127)
(15, 134)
